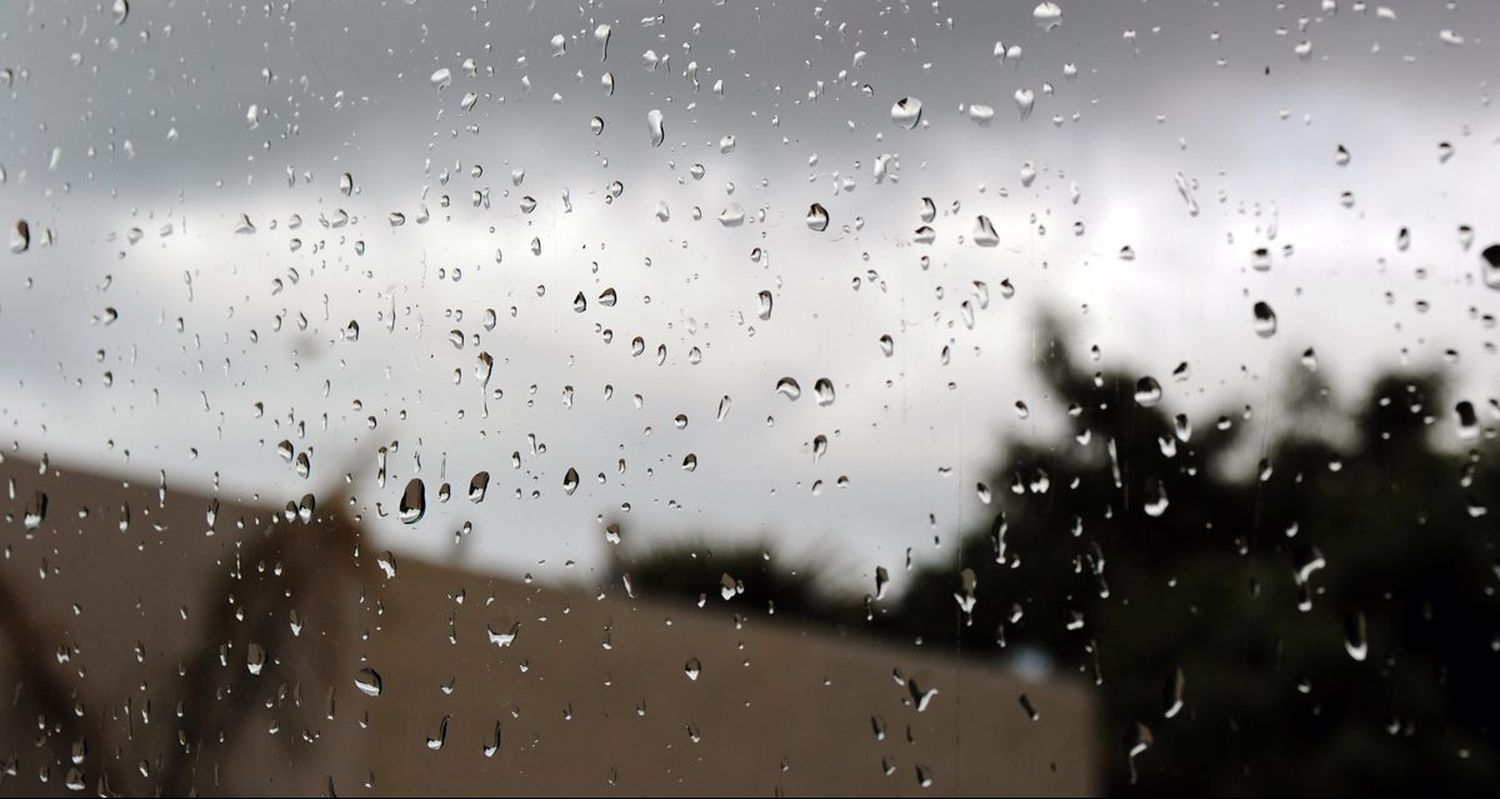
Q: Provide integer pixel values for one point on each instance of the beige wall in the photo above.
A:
(776, 707)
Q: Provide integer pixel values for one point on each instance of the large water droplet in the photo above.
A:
(984, 232)
(656, 125)
(369, 682)
(787, 387)
(1172, 693)
(1147, 392)
(1265, 320)
(1490, 258)
(1047, 15)
(1025, 101)
(413, 501)
(907, 112)
(823, 388)
(478, 485)
(817, 218)
(20, 237)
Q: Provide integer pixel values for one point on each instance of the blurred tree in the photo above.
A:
(757, 579)
(1329, 625)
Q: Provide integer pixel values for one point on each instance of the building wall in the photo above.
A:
(592, 695)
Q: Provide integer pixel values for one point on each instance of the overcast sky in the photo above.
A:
(132, 148)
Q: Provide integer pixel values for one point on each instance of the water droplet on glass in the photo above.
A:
(435, 742)
(817, 218)
(823, 388)
(1356, 642)
(907, 112)
(733, 216)
(413, 501)
(929, 209)
(1025, 101)
(369, 682)
(1047, 15)
(787, 387)
(255, 658)
(984, 232)
(1172, 693)
(1490, 258)
(20, 237)
(1137, 741)
(1265, 320)
(656, 125)
(504, 639)
(478, 485)
(1154, 501)
(1147, 392)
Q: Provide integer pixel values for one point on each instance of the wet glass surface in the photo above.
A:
(736, 398)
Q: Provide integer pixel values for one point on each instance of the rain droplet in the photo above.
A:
(369, 683)
(1147, 392)
(504, 639)
(413, 501)
(787, 387)
(1047, 15)
(20, 237)
(1265, 320)
(907, 112)
(693, 668)
(1172, 693)
(984, 232)
(441, 78)
(36, 511)
(255, 658)
(817, 218)
(478, 485)
(656, 125)
(823, 388)
(1025, 101)
(1491, 260)
(733, 216)
(1468, 421)
(929, 209)
(1260, 259)
(1156, 502)
(436, 742)
(1137, 741)
(1356, 642)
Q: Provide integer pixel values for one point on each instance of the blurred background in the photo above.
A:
(738, 398)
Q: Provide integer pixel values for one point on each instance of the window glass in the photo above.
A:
(749, 398)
